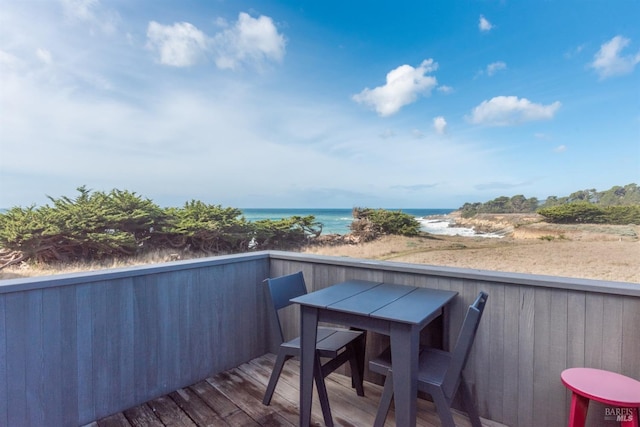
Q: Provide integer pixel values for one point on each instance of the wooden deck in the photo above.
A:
(234, 398)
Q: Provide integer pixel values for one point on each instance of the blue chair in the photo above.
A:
(338, 345)
(439, 372)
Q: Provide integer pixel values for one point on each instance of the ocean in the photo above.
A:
(337, 221)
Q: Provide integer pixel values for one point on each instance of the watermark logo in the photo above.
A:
(618, 414)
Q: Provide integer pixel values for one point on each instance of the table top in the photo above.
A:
(603, 386)
(400, 303)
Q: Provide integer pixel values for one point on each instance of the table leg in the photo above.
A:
(445, 328)
(404, 359)
(631, 420)
(578, 410)
(308, 332)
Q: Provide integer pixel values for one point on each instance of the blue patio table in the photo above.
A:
(398, 311)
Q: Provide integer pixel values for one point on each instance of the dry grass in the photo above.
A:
(35, 269)
(602, 253)
(616, 260)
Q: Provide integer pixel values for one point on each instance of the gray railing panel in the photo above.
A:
(78, 347)
(533, 328)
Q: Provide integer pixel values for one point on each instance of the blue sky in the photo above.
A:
(318, 103)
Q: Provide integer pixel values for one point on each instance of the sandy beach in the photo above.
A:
(583, 251)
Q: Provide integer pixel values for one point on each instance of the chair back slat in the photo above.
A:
(284, 288)
(464, 343)
(281, 290)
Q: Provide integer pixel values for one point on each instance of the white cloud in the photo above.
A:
(179, 45)
(494, 67)
(445, 89)
(511, 110)
(440, 125)
(608, 62)
(560, 149)
(250, 40)
(402, 87)
(484, 24)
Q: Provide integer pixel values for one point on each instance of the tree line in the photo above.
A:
(618, 205)
(99, 225)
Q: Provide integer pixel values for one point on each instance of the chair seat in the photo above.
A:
(328, 342)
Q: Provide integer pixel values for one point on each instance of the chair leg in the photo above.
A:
(360, 348)
(578, 410)
(275, 375)
(356, 375)
(385, 401)
(467, 402)
(443, 408)
(322, 392)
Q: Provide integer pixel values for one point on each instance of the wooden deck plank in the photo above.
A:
(115, 420)
(198, 411)
(216, 400)
(170, 413)
(248, 397)
(234, 398)
(142, 416)
(345, 404)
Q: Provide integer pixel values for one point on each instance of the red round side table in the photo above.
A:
(619, 392)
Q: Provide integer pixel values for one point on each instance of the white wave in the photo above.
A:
(442, 226)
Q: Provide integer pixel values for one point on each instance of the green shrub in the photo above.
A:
(371, 223)
(202, 227)
(286, 233)
(589, 213)
(98, 225)
(91, 226)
